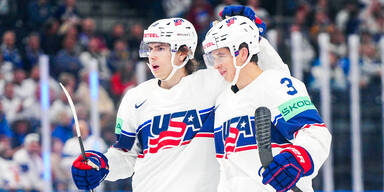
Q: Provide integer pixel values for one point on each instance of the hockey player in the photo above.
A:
(165, 134)
(164, 126)
(300, 139)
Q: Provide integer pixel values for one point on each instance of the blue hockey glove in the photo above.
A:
(287, 168)
(232, 10)
(88, 175)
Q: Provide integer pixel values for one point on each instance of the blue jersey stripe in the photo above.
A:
(288, 128)
(124, 142)
(218, 128)
(128, 133)
(277, 118)
(143, 125)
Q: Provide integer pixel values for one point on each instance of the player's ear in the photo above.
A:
(182, 53)
(180, 56)
(243, 55)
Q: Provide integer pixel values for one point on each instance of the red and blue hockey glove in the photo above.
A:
(232, 10)
(287, 168)
(88, 175)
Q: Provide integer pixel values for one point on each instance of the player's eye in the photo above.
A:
(220, 55)
(160, 48)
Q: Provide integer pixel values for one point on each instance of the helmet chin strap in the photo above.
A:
(175, 67)
(238, 68)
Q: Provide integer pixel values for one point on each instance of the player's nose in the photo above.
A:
(217, 65)
(152, 57)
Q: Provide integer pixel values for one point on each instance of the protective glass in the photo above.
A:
(215, 57)
(159, 48)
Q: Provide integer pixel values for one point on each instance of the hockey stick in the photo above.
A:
(263, 137)
(90, 163)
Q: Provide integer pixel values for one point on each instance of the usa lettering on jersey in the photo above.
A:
(236, 134)
(172, 130)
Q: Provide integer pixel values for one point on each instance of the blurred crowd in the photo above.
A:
(364, 18)
(71, 41)
(31, 28)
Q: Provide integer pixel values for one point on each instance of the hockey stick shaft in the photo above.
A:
(263, 137)
(76, 123)
(72, 106)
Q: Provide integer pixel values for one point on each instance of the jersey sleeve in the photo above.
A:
(126, 122)
(122, 155)
(297, 119)
(270, 59)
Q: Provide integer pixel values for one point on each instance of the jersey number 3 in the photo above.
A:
(291, 89)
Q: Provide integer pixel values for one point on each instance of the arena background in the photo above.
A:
(91, 46)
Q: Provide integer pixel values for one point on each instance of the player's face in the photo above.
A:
(223, 62)
(160, 59)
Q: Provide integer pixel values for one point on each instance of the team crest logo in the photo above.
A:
(230, 21)
(178, 21)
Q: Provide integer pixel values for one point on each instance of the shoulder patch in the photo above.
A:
(295, 106)
(119, 124)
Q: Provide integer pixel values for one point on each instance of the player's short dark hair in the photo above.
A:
(254, 57)
(192, 64)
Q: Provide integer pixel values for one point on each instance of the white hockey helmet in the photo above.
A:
(176, 32)
(231, 33)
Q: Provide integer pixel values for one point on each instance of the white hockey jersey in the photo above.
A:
(295, 120)
(166, 136)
